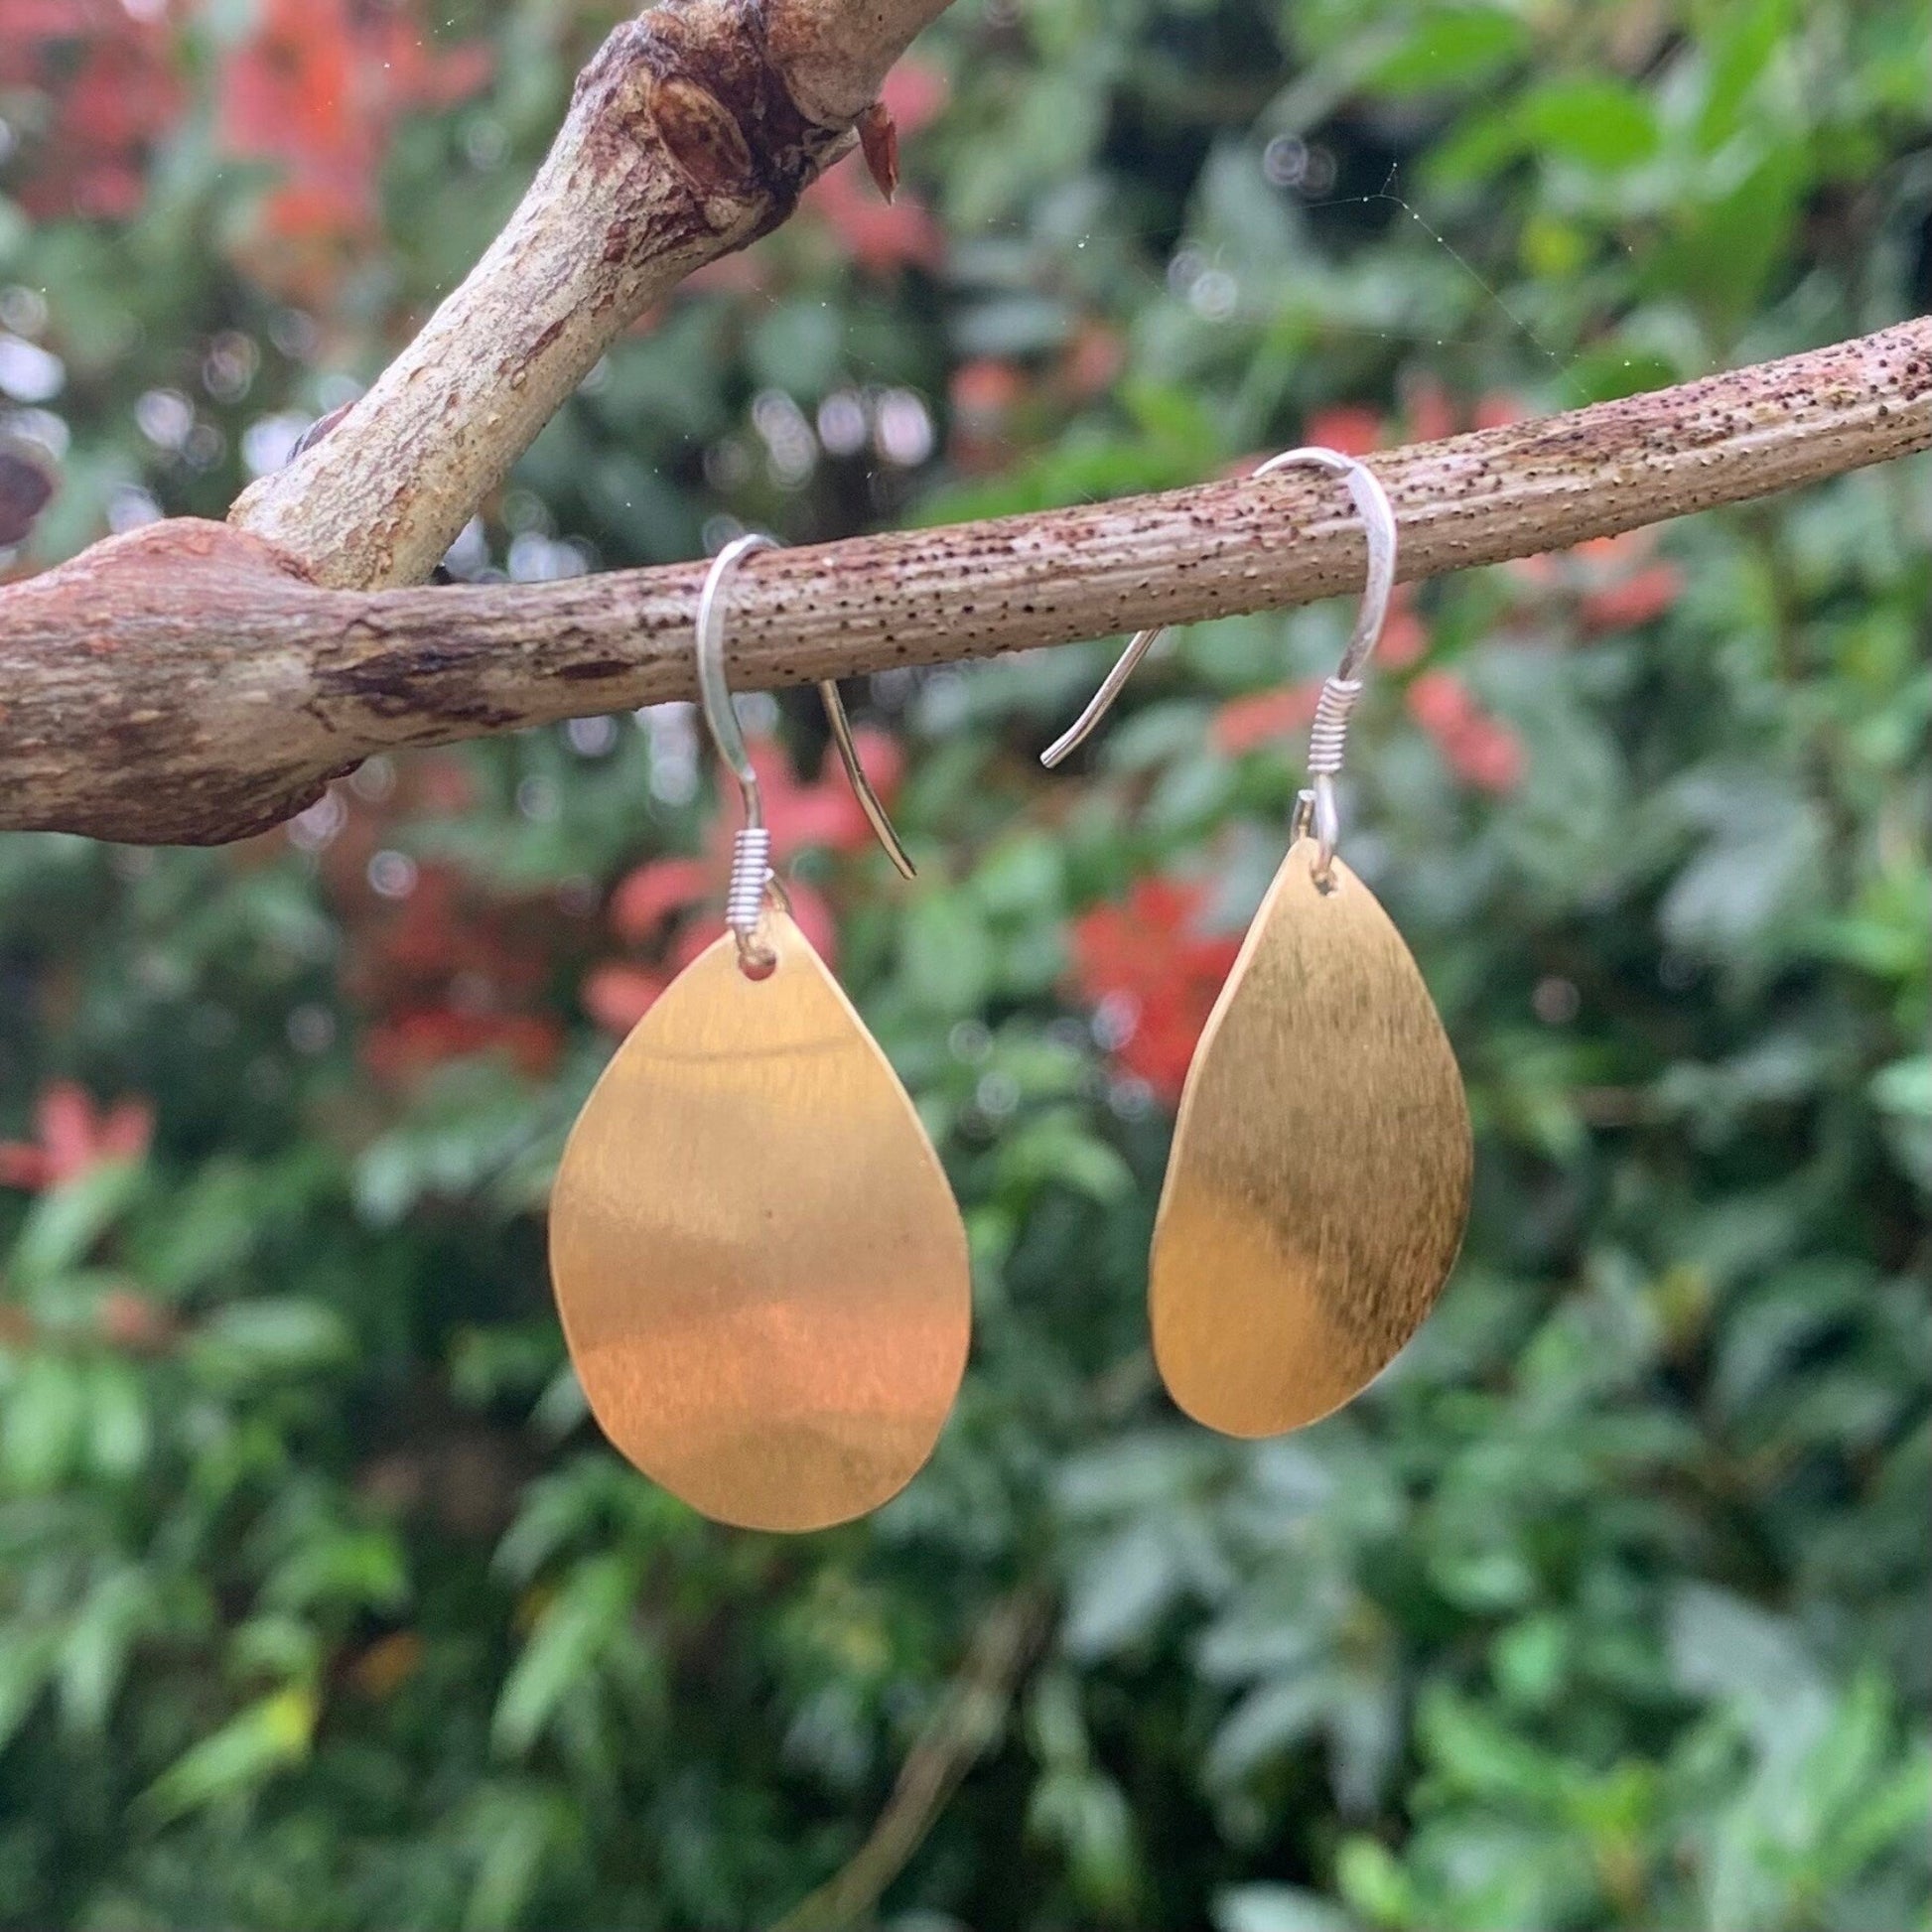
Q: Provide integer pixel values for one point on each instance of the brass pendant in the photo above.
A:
(761, 1271)
(1319, 1180)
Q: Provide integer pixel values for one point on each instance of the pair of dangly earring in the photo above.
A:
(761, 1272)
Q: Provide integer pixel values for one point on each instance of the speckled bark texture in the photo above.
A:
(692, 132)
(190, 683)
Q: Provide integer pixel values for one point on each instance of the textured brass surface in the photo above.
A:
(760, 1270)
(1319, 1180)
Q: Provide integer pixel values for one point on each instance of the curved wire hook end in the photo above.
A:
(1082, 727)
(751, 875)
(868, 800)
(1316, 809)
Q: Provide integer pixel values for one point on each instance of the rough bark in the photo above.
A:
(185, 683)
(692, 132)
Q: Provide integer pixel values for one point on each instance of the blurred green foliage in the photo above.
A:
(321, 1604)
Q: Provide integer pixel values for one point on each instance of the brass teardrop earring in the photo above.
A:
(1319, 1184)
(741, 1337)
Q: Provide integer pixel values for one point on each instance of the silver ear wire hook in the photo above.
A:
(752, 847)
(1315, 809)
(868, 800)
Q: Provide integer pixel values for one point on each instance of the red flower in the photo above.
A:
(402, 1046)
(616, 995)
(1499, 409)
(914, 94)
(1481, 749)
(822, 814)
(447, 972)
(74, 1137)
(1092, 361)
(1155, 977)
(112, 94)
(1247, 724)
(1618, 583)
(985, 395)
(1623, 588)
(985, 390)
(1430, 408)
(319, 88)
(1405, 637)
(442, 963)
(878, 235)
(1352, 430)
(655, 893)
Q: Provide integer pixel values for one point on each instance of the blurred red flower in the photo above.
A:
(983, 391)
(881, 236)
(1430, 411)
(74, 1136)
(1405, 637)
(878, 236)
(1153, 975)
(655, 893)
(112, 93)
(1618, 583)
(1353, 430)
(403, 1046)
(1246, 724)
(1498, 410)
(984, 396)
(1092, 361)
(1481, 749)
(616, 995)
(1624, 584)
(821, 814)
(318, 87)
(441, 964)
(448, 971)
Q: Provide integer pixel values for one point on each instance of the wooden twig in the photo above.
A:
(186, 683)
(690, 134)
(965, 1725)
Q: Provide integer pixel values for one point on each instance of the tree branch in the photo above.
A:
(965, 1725)
(691, 133)
(185, 684)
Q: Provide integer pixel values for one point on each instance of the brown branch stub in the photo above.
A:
(185, 684)
(692, 132)
(962, 1729)
(132, 710)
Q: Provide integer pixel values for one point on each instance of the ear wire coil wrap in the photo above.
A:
(1328, 737)
(750, 869)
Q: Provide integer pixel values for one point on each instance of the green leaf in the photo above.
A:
(27, 1661)
(572, 1635)
(1373, 1884)
(1266, 1721)
(41, 1424)
(1120, 1590)
(1451, 48)
(1057, 1148)
(270, 1736)
(1278, 1908)
(945, 955)
(272, 1337)
(1598, 123)
(358, 1570)
(94, 1652)
(64, 1226)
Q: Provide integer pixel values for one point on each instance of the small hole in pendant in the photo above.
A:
(1325, 882)
(758, 963)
